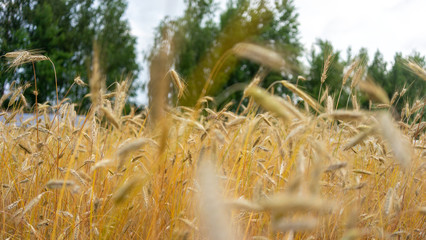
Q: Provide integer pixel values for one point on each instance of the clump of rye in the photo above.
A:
(276, 171)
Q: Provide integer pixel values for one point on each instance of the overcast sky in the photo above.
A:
(388, 25)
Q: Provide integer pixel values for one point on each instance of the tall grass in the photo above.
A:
(275, 172)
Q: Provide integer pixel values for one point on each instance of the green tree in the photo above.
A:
(200, 43)
(65, 31)
(317, 60)
(118, 53)
(378, 70)
(13, 35)
(400, 76)
(277, 28)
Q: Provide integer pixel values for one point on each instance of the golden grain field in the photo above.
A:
(279, 170)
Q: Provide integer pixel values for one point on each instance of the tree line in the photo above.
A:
(199, 41)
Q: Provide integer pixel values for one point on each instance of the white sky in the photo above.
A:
(388, 25)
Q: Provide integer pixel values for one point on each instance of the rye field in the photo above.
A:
(290, 167)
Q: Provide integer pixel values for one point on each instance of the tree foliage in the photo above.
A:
(66, 31)
(317, 59)
(400, 77)
(200, 44)
(392, 77)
